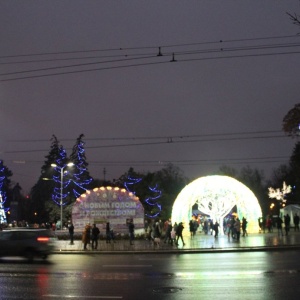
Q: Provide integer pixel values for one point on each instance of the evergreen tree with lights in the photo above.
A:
(136, 185)
(42, 206)
(81, 179)
(62, 179)
(2, 212)
(5, 173)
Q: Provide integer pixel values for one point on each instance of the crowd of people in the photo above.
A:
(282, 224)
(157, 231)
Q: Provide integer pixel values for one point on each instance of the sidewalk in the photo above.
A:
(199, 243)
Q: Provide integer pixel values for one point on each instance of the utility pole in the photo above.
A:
(104, 174)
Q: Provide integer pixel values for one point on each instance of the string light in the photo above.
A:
(81, 178)
(152, 201)
(3, 178)
(58, 195)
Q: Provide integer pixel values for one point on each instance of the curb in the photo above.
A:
(181, 251)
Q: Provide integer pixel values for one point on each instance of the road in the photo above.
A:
(237, 275)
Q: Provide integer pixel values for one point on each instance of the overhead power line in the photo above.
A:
(181, 136)
(221, 41)
(168, 140)
(147, 59)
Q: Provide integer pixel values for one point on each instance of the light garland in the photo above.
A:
(2, 191)
(152, 201)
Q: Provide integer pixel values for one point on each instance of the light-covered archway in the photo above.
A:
(216, 196)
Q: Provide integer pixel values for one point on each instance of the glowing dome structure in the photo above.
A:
(216, 196)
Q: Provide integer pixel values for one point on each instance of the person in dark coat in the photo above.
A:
(279, 225)
(287, 221)
(71, 233)
(95, 236)
(179, 233)
(244, 226)
(131, 232)
(216, 229)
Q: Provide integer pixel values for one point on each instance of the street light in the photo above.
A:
(61, 189)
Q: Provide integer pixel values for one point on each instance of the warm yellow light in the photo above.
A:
(216, 196)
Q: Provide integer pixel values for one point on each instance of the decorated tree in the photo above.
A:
(41, 193)
(2, 212)
(157, 191)
(5, 173)
(61, 178)
(150, 201)
(81, 179)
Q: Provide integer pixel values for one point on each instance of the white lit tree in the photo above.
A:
(280, 194)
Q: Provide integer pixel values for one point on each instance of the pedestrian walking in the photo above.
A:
(216, 229)
(237, 227)
(287, 221)
(279, 226)
(179, 233)
(95, 236)
(71, 233)
(191, 226)
(131, 232)
(86, 236)
(244, 226)
(168, 238)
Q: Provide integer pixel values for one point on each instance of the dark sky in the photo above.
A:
(91, 67)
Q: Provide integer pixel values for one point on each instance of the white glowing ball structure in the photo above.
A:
(216, 196)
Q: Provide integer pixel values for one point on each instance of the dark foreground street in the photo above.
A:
(237, 275)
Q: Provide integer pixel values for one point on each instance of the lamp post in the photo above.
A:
(61, 189)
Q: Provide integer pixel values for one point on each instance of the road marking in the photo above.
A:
(126, 266)
(84, 297)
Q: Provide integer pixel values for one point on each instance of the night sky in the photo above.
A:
(227, 75)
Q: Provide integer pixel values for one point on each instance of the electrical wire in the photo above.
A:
(145, 57)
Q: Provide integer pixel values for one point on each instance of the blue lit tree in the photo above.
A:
(130, 183)
(152, 201)
(61, 178)
(150, 194)
(81, 179)
(5, 173)
(2, 212)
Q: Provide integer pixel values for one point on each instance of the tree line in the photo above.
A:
(59, 184)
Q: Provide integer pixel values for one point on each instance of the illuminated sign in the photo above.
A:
(107, 204)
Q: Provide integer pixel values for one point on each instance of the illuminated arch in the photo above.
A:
(216, 196)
